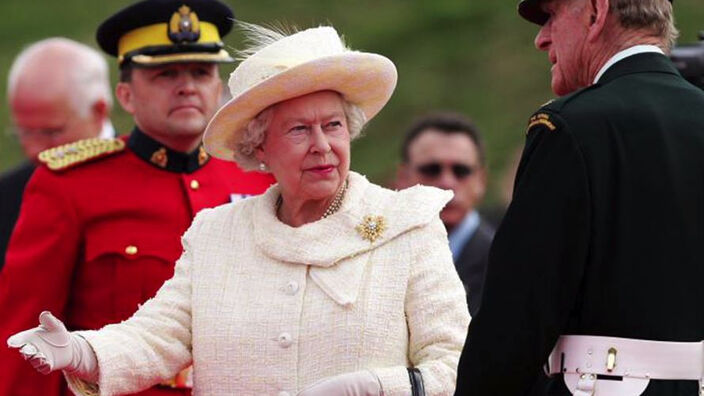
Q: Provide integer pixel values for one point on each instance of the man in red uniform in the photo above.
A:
(101, 221)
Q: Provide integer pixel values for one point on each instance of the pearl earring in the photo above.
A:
(262, 167)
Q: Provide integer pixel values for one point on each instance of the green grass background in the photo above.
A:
(472, 56)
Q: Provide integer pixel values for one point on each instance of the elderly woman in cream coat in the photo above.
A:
(325, 285)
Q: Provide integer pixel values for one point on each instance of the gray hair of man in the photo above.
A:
(258, 37)
(86, 73)
(653, 16)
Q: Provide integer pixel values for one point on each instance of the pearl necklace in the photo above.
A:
(334, 205)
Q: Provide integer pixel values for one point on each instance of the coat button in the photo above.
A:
(285, 340)
(284, 393)
(291, 288)
(131, 250)
(195, 185)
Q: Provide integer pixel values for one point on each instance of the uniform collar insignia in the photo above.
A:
(153, 152)
(159, 158)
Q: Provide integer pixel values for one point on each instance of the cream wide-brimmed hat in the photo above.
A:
(308, 61)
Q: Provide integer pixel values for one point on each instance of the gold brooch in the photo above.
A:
(371, 228)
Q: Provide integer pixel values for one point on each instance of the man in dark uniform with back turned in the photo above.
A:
(600, 258)
(101, 220)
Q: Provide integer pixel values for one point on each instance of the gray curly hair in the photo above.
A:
(255, 132)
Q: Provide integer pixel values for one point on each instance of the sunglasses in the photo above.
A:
(434, 169)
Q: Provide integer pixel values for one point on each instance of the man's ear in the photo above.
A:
(123, 93)
(100, 111)
(480, 183)
(599, 10)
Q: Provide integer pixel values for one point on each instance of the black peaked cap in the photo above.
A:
(148, 12)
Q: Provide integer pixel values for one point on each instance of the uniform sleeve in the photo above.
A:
(40, 261)
(151, 346)
(437, 316)
(535, 266)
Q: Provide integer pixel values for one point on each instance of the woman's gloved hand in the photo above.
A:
(50, 347)
(358, 383)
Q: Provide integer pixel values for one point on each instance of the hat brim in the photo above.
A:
(187, 57)
(364, 79)
(530, 10)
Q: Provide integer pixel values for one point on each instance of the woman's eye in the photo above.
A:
(334, 124)
(298, 129)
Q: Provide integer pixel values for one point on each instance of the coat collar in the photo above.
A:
(639, 63)
(150, 150)
(332, 247)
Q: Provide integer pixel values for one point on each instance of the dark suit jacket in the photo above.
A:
(12, 185)
(605, 233)
(471, 264)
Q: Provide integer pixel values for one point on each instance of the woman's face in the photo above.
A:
(307, 145)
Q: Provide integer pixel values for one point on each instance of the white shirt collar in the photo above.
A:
(636, 49)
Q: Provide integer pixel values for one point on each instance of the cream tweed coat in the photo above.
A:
(261, 308)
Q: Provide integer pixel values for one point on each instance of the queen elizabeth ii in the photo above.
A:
(325, 285)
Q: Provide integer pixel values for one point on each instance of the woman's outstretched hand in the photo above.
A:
(50, 347)
(358, 383)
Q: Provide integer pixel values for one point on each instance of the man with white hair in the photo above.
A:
(599, 257)
(58, 92)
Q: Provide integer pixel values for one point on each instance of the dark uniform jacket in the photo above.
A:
(12, 185)
(605, 234)
(471, 264)
(95, 240)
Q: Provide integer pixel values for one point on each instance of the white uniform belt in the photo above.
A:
(629, 358)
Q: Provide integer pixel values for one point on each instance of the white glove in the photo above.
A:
(358, 383)
(50, 347)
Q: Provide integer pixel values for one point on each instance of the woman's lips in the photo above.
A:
(321, 170)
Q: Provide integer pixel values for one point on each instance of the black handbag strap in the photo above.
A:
(416, 379)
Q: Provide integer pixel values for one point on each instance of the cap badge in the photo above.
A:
(184, 26)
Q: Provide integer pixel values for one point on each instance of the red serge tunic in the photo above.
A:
(95, 240)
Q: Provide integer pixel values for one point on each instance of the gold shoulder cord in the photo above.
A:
(71, 154)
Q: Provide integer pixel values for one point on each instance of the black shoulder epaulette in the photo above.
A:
(71, 154)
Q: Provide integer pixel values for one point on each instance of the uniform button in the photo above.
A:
(284, 393)
(291, 288)
(195, 185)
(285, 340)
(131, 250)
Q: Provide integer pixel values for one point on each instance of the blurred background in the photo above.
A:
(471, 56)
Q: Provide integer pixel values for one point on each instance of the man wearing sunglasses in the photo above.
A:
(445, 150)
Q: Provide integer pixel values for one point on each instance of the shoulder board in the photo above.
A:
(541, 119)
(71, 154)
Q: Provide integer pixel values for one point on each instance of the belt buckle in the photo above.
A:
(611, 359)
